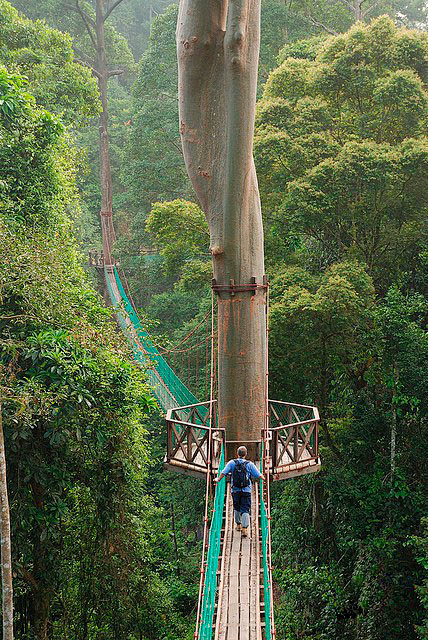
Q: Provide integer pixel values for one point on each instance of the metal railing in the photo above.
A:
(205, 621)
(191, 440)
(266, 545)
(294, 433)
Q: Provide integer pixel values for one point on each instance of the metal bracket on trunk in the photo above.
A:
(233, 288)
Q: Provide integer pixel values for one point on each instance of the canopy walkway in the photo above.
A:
(235, 595)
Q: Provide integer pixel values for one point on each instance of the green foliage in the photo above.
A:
(323, 316)
(180, 231)
(65, 17)
(36, 179)
(45, 56)
(341, 147)
(92, 552)
(326, 607)
(420, 544)
(154, 175)
(341, 138)
(333, 16)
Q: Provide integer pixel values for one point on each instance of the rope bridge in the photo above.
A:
(168, 388)
(235, 596)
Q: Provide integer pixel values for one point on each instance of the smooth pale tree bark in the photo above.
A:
(218, 50)
(5, 544)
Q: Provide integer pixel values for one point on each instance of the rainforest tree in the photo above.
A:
(218, 49)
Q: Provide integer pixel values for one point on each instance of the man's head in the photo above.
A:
(242, 452)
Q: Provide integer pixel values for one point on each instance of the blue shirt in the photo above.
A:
(252, 471)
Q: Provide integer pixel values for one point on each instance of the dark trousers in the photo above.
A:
(242, 507)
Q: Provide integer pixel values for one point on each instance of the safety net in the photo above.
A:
(169, 390)
(210, 583)
(264, 525)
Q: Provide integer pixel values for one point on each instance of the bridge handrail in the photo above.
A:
(204, 624)
(290, 425)
(294, 404)
(293, 430)
(266, 549)
(145, 351)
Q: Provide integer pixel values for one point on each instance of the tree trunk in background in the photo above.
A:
(218, 49)
(105, 169)
(6, 552)
(41, 605)
(358, 12)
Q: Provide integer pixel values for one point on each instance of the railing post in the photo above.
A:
(316, 439)
(169, 436)
(189, 444)
(274, 450)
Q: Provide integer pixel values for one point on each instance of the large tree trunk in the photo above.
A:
(6, 554)
(105, 168)
(218, 48)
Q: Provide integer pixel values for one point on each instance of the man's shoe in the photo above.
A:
(244, 531)
(238, 527)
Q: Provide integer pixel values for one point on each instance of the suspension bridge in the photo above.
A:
(235, 595)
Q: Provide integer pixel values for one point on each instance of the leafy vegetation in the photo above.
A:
(85, 528)
(105, 545)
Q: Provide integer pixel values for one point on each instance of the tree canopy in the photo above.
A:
(341, 148)
(45, 57)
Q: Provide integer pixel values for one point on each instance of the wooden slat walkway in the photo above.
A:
(238, 609)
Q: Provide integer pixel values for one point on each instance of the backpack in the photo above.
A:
(240, 477)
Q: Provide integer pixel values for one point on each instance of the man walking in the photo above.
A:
(242, 471)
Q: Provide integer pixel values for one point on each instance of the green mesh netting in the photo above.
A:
(210, 585)
(167, 387)
(264, 525)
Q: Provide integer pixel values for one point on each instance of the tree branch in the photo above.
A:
(111, 9)
(373, 6)
(88, 66)
(87, 20)
(116, 72)
(28, 577)
(316, 23)
(18, 317)
(85, 60)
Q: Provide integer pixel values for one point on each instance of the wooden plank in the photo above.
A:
(258, 633)
(312, 468)
(223, 605)
(244, 587)
(180, 467)
(233, 607)
(224, 556)
(306, 441)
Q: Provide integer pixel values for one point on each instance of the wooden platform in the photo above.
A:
(198, 469)
(238, 609)
(291, 469)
